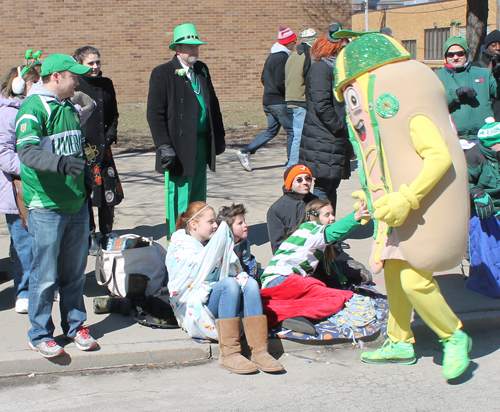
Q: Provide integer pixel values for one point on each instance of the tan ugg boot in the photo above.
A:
(256, 332)
(230, 348)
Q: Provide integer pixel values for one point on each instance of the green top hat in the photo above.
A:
(185, 34)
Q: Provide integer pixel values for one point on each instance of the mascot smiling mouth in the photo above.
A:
(361, 130)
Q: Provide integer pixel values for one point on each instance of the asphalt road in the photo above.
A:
(325, 379)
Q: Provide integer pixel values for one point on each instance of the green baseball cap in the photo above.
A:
(185, 34)
(60, 62)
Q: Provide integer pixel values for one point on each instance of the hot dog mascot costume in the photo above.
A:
(414, 180)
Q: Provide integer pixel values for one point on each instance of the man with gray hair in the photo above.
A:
(296, 69)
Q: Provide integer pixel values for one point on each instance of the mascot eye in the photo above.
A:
(352, 99)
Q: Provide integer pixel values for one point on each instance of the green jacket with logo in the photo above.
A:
(47, 123)
(469, 114)
(483, 165)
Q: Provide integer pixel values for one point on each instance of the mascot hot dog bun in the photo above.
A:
(412, 168)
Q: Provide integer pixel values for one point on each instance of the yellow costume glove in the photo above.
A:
(359, 194)
(393, 208)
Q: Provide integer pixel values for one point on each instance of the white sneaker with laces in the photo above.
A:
(22, 305)
(244, 159)
(83, 340)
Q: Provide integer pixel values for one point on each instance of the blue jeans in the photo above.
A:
(60, 248)
(299, 115)
(277, 115)
(277, 281)
(22, 255)
(225, 299)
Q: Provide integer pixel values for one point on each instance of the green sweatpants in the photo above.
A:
(185, 190)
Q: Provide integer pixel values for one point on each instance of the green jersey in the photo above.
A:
(54, 125)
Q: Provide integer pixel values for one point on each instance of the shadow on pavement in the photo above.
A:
(257, 234)
(7, 298)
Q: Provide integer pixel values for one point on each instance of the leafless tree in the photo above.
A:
(477, 21)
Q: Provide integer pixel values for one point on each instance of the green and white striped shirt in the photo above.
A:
(301, 252)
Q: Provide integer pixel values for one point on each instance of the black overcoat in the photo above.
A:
(100, 132)
(173, 115)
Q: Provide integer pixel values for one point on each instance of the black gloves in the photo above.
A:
(466, 91)
(70, 166)
(167, 156)
(483, 203)
(110, 139)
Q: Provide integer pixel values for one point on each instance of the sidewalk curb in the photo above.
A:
(184, 351)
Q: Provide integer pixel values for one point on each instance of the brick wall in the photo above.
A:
(133, 36)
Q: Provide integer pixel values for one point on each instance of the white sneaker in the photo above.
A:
(22, 305)
(244, 159)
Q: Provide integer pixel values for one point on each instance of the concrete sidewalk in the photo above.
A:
(124, 342)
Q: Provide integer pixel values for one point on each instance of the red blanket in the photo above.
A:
(299, 296)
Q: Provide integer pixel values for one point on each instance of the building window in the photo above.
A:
(434, 42)
(411, 46)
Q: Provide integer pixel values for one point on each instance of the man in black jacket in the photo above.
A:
(490, 59)
(286, 213)
(185, 121)
(277, 113)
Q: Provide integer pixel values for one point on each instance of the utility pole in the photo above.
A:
(498, 14)
(367, 26)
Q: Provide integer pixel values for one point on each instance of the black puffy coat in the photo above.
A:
(324, 148)
(173, 113)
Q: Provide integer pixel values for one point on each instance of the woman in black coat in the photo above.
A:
(325, 148)
(100, 133)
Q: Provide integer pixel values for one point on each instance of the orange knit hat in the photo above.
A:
(292, 172)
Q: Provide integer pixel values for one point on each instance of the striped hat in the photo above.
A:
(285, 35)
(489, 134)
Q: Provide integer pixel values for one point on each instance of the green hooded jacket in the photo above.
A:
(468, 113)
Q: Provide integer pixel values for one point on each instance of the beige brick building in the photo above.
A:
(133, 36)
(410, 24)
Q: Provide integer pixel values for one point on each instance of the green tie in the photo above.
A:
(194, 79)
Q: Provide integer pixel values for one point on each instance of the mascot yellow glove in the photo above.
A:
(393, 208)
(359, 194)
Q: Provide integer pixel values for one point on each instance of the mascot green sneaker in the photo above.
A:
(391, 352)
(456, 350)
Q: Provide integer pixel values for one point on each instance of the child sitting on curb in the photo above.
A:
(207, 291)
(484, 233)
(234, 216)
(289, 291)
(311, 241)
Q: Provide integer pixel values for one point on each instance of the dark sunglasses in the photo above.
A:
(458, 53)
(307, 178)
